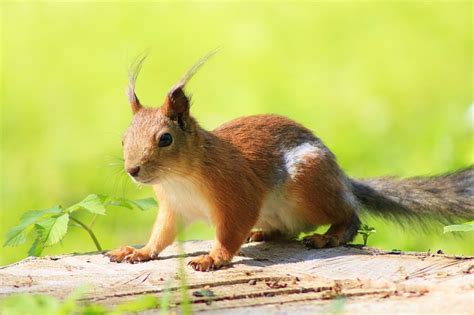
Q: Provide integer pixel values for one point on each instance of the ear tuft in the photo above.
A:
(132, 78)
(192, 71)
(176, 105)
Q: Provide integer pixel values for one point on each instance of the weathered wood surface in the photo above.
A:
(273, 278)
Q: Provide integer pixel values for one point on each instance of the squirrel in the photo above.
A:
(263, 172)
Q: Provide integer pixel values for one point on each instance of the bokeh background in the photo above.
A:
(386, 85)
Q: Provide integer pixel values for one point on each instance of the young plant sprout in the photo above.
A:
(366, 231)
(51, 225)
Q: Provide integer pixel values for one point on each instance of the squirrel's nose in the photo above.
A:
(133, 171)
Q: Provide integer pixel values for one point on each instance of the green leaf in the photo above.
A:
(33, 216)
(52, 230)
(69, 305)
(30, 304)
(93, 203)
(465, 227)
(143, 303)
(145, 204)
(142, 204)
(94, 309)
(122, 202)
(17, 234)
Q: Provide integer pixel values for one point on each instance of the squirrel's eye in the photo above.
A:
(165, 140)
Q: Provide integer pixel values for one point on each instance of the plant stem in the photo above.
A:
(185, 300)
(88, 230)
(92, 221)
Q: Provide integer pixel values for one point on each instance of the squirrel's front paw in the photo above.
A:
(129, 254)
(205, 263)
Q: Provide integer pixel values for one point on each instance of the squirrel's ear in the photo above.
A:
(176, 105)
(132, 78)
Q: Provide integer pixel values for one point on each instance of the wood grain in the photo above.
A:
(264, 278)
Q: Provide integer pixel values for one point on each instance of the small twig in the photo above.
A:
(88, 230)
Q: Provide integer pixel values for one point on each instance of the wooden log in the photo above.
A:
(265, 278)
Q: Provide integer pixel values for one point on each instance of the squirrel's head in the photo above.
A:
(161, 140)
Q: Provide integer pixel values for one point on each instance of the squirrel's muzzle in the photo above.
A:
(133, 171)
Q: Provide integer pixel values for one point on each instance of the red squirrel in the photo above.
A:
(263, 172)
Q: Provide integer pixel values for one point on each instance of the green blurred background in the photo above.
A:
(386, 85)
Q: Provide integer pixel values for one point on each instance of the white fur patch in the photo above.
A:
(279, 214)
(186, 198)
(280, 210)
(295, 156)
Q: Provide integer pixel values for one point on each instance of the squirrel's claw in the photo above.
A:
(128, 254)
(203, 263)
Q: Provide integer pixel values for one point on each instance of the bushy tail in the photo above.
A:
(445, 198)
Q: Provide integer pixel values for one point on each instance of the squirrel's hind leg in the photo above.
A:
(337, 234)
(264, 236)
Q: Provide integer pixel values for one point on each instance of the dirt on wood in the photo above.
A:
(265, 278)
